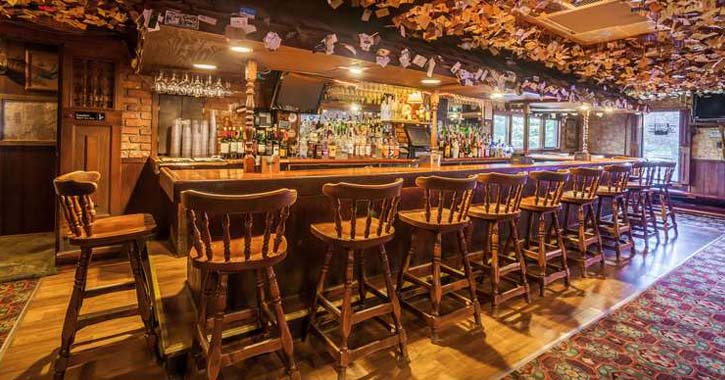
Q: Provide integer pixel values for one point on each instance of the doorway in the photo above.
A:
(661, 138)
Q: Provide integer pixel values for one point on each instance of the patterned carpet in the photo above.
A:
(14, 295)
(674, 330)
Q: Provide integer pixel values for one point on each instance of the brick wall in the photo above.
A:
(607, 134)
(136, 106)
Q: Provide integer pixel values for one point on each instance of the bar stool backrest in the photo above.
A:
(549, 186)
(502, 191)
(446, 195)
(643, 172)
(380, 202)
(74, 191)
(585, 182)
(615, 177)
(205, 208)
(663, 172)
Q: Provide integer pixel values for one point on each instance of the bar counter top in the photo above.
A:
(175, 180)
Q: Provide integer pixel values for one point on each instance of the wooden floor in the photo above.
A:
(516, 332)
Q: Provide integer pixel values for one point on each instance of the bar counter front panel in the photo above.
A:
(299, 271)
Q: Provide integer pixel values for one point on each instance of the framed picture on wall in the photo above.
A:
(42, 69)
(28, 121)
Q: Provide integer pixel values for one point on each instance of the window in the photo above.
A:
(551, 134)
(517, 132)
(501, 128)
(661, 140)
(534, 133)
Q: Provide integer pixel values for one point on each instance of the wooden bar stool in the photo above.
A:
(613, 189)
(447, 201)
(549, 188)
(502, 194)
(355, 235)
(661, 184)
(218, 257)
(582, 197)
(75, 191)
(639, 201)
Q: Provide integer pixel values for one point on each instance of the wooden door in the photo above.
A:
(91, 140)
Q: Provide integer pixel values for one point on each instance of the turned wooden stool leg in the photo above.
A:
(663, 215)
(471, 280)
(560, 241)
(285, 335)
(671, 209)
(597, 234)
(542, 252)
(346, 316)
(520, 257)
(362, 278)
(651, 211)
(644, 220)
(143, 291)
(397, 313)
(213, 365)
(319, 289)
(261, 301)
(70, 324)
(493, 251)
(581, 233)
(530, 230)
(406, 261)
(436, 291)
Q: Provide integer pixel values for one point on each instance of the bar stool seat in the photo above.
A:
(501, 196)
(117, 229)
(219, 257)
(480, 212)
(417, 218)
(538, 204)
(237, 260)
(617, 230)
(576, 198)
(447, 201)
(356, 238)
(328, 232)
(540, 250)
(75, 192)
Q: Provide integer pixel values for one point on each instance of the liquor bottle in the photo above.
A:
(224, 145)
(261, 144)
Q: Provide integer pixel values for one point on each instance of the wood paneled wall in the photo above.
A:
(707, 178)
(27, 199)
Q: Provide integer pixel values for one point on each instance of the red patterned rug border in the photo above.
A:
(521, 363)
(6, 343)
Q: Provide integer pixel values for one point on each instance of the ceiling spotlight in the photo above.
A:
(430, 81)
(497, 95)
(585, 107)
(204, 66)
(241, 49)
(608, 109)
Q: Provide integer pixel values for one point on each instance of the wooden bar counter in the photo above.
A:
(298, 273)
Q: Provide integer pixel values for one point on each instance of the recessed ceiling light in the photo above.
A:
(585, 107)
(608, 109)
(430, 81)
(496, 95)
(355, 70)
(204, 66)
(241, 49)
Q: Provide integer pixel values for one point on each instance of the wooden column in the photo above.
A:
(527, 110)
(584, 155)
(434, 100)
(250, 75)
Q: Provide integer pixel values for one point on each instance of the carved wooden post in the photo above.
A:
(722, 138)
(584, 154)
(527, 110)
(250, 74)
(434, 101)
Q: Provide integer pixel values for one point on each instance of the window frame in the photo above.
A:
(542, 131)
